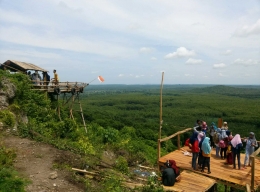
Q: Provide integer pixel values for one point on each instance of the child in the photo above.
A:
(251, 143)
(236, 148)
(195, 149)
(206, 152)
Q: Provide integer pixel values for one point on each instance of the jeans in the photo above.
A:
(223, 150)
(217, 151)
(200, 159)
(206, 162)
(248, 153)
(194, 160)
(234, 160)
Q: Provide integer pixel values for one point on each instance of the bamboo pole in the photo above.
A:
(159, 154)
(161, 121)
(252, 172)
(175, 134)
(179, 142)
(248, 188)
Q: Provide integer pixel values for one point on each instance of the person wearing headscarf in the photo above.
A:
(174, 167)
(216, 140)
(229, 151)
(206, 152)
(195, 149)
(223, 150)
(201, 137)
(251, 143)
(212, 131)
(236, 145)
(225, 126)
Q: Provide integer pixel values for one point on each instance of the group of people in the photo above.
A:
(45, 79)
(227, 146)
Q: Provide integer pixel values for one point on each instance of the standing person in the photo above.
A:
(211, 134)
(201, 137)
(229, 148)
(195, 149)
(251, 143)
(223, 142)
(216, 141)
(56, 77)
(225, 126)
(206, 152)
(236, 148)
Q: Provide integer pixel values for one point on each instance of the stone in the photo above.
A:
(53, 175)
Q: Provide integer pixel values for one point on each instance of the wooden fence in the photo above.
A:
(170, 137)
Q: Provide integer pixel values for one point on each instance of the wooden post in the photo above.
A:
(225, 188)
(161, 121)
(252, 172)
(248, 188)
(179, 142)
(159, 154)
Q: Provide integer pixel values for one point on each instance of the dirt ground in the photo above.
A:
(35, 161)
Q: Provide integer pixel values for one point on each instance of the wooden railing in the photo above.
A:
(170, 137)
(252, 159)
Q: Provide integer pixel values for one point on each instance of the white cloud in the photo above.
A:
(249, 30)
(227, 52)
(219, 65)
(180, 52)
(188, 75)
(94, 72)
(120, 75)
(247, 62)
(194, 61)
(146, 50)
(153, 58)
(221, 75)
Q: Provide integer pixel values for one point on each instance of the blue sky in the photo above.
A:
(132, 42)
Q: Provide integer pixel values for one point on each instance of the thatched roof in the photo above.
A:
(21, 66)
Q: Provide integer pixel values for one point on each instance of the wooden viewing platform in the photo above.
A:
(220, 171)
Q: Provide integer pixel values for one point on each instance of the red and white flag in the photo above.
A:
(101, 79)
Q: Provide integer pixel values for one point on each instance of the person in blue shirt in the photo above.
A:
(251, 143)
(236, 148)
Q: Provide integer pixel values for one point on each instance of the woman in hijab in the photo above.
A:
(206, 152)
(229, 148)
(225, 126)
(223, 150)
(175, 168)
(236, 148)
(201, 137)
(195, 149)
(251, 143)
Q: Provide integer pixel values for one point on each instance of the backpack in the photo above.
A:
(216, 138)
(222, 144)
(187, 142)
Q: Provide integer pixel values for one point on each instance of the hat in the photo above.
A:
(225, 123)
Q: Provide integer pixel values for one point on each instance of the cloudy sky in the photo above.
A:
(133, 41)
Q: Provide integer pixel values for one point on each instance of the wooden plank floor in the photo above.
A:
(219, 170)
(191, 182)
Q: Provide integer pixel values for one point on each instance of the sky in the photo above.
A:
(134, 41)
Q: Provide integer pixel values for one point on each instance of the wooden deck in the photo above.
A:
(191, 182)
(219, 170)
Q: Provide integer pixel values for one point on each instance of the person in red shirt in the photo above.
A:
(195, 149)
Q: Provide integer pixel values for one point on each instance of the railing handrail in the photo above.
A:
(175, 134)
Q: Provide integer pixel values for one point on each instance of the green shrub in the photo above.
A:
(122, 165)
(7, 118)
